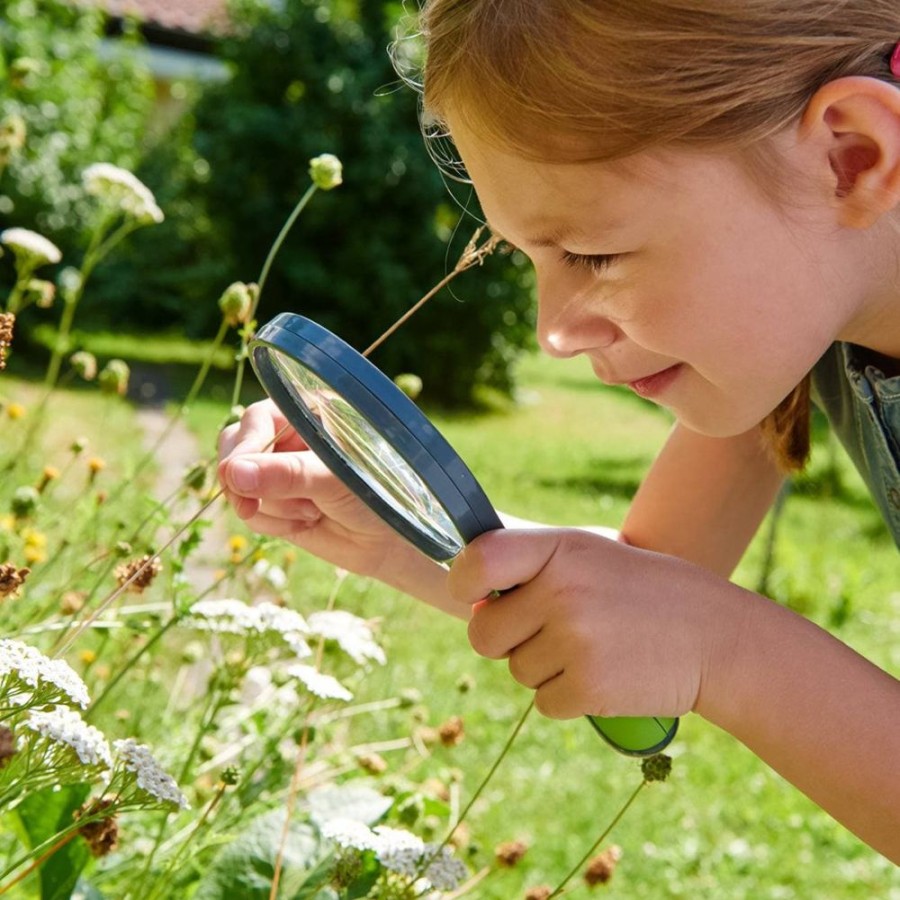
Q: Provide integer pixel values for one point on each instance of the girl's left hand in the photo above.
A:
(595, 627)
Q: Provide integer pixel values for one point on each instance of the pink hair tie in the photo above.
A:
(895, 61)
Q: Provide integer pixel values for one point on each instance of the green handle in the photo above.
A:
(635, 735)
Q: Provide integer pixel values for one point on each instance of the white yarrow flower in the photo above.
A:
(36, 248)
(65, 726)
(271, 573)
(399, 850)
(350, 833)
(319, 684)
(351, 633)
(229, 616)
(236, 617)
(445, 872)
(30, 667)
(150, 776)
(121, 188)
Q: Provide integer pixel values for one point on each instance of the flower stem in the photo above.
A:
(423, 866)
(39, 861)
(263, 276)
(577, 867)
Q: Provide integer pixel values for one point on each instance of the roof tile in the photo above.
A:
(193, 16)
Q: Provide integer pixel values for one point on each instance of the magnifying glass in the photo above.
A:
(378, 442)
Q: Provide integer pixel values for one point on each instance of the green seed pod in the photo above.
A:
(25, 501)
(326, 171)
(114, 377)
(410, 384)
(656, 768)
(236, 303)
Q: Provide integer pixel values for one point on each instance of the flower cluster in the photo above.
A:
(25, 669)
(351, 633)
(65, 726)
(30, 248)
(318, 683)
(150, 776)
(228, 616)
(399, 851)
(122, 190)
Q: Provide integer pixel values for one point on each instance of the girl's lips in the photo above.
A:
(653, 385)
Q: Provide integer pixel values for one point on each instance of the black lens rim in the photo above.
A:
(390, 412)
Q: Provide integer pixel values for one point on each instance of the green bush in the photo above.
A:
(315, 77)
(79, 105)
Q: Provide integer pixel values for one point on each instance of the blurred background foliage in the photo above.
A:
(306, 77)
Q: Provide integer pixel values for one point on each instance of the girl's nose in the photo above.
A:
(567, 325)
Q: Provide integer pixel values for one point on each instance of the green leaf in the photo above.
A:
(45, 813)
(246, 867)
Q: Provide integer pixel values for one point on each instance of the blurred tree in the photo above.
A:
(313, 77)
(309, 76)
(79, 106)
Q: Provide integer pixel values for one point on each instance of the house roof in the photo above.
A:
(196, 17)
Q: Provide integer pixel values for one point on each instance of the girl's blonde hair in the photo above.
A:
(601, 80)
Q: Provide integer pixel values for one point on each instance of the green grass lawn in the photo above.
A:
(724, 825)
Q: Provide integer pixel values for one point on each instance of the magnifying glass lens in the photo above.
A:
(367, 452)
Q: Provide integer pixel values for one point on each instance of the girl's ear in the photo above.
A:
(856, 120)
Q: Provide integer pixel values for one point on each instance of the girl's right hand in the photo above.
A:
(286, 491)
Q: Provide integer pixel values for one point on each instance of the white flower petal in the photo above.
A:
(319, 684)
(149, 774)
(32, 244)
(65, 726)
(352, 634)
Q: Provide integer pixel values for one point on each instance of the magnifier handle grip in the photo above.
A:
(636, 735)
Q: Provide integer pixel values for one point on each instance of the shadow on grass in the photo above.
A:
(612, 476)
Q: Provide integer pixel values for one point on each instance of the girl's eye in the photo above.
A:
(597, 263)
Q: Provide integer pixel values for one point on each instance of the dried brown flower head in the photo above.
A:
(452, 731)
(11, 579)
(7, 745)
(539, 892)
(102, 836)
(142, 571)
(600, 869)
(371, 763)
(7, 324)
(509, 853)
(71, 602)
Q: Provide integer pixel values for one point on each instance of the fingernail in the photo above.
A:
(244, 475)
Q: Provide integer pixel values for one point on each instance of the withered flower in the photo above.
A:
(11, 579)
(7, 327)
(539, 892)
(452, 731)
(600, 869)
(142, 570)
(509, 853)
(7, 745)
(102, 835)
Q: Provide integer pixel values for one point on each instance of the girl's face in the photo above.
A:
(675, 276)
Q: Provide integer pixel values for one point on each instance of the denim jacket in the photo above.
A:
(863, 407)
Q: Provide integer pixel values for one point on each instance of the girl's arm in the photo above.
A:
(817, 712)
(703, 498)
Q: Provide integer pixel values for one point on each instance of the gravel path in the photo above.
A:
(178, 453)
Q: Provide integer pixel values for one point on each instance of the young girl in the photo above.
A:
(709, 191)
